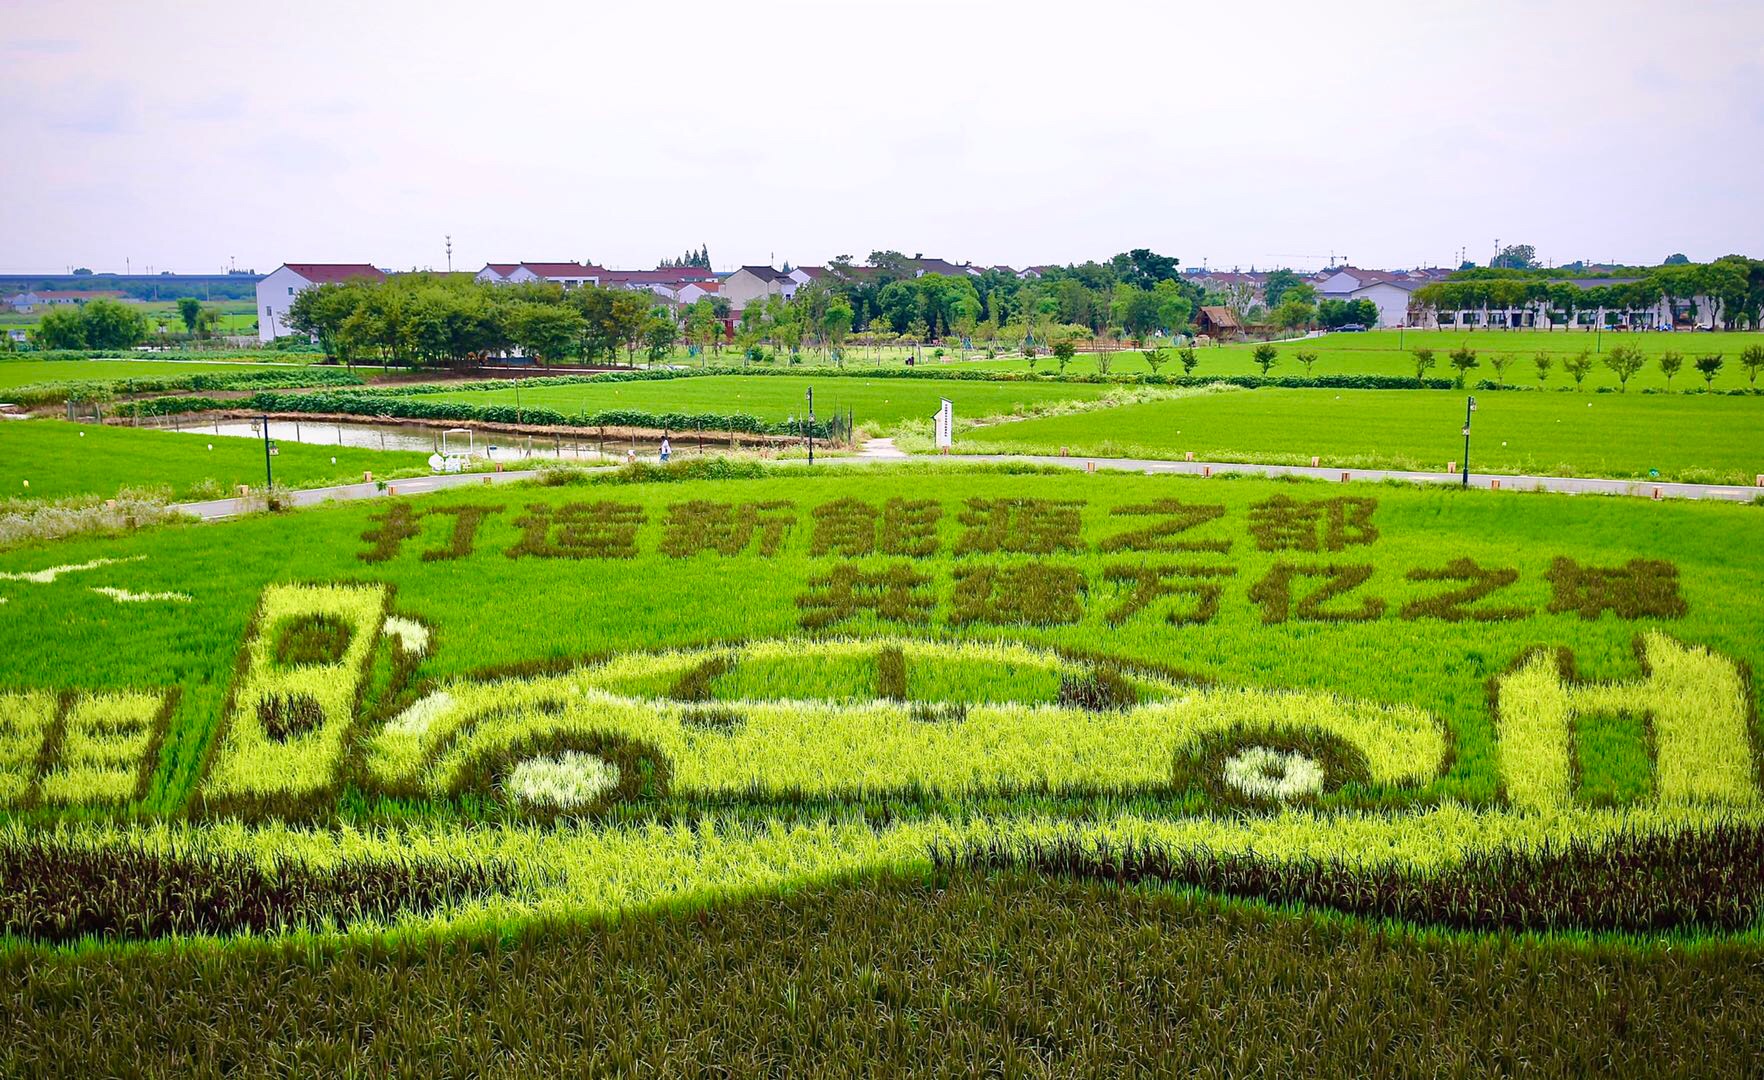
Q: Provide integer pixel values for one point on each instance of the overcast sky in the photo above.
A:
(1391, 132)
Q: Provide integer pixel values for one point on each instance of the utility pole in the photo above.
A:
(1469, 407)
(450, 253)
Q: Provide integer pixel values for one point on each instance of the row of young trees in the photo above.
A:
(1728, 292)
(1624, 361)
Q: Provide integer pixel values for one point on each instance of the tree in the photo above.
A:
(1677, 258)
(1424, 363)
(1624, 361)
(59, 328)
(1499, 362)
(835, 324)
(112, 324)
(208, 320)
(1293, 314)
(1189, 359)
(1752, 359)
(1306, 357)
(1063, 350)
(1578, 366)
(545, 332)
(1143, 268)
(659, 335)
(1275, 285)
(1515, 257)
(1135, 310)
(628, 318)
(1709, 365)
(1266, 357)
(1670, 364)
(1464, 358)
(1155, 359)
(1543, 361)
(189, 309)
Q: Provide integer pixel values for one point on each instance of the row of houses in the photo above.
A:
(47, 298)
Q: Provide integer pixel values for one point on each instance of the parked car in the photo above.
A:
(1351, 328)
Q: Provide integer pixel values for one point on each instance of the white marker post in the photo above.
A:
(945, 426)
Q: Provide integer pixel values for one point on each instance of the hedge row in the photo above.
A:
(395, 406)
(105, 389)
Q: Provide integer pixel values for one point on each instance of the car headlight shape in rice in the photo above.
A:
(1262, 772)
(561, 781)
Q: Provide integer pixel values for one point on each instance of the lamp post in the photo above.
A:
(811, 424)
(269, 481)
(1469, 407)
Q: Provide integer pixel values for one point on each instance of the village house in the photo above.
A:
(752, 283)
(276, 293)
(31, 301)
(1218, 323)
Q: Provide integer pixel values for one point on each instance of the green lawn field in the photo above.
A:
(933, 766)
(777, 397)
(1701, 438)
(61, 459)
(237, 316)
(1386, 352)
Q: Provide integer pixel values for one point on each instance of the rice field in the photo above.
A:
(499, 753)
(42, 460)
(1702, 438)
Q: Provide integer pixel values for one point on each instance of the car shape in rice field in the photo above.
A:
(835, 722)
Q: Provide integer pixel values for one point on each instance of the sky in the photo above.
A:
(192, 135)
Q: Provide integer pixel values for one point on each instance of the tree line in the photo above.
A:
(1728, 292)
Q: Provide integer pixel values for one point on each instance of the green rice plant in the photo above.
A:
(107, 750)
(1695, 703)
(286, 732)
(25, 721)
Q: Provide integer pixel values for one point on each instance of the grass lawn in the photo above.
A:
(1386, 352)
(1230, 773)
(61, 459)
(237, 316)
(1701, 438)
(777, 397)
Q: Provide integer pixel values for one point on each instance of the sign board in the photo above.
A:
(945, 424)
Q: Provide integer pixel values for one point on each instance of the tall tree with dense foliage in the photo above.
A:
(59, 328)
(189, 309)
(112, 324)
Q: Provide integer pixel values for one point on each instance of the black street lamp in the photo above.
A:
(269, 481)
(1469, 407)
(811, 424)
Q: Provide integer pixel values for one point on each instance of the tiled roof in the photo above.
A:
(331, 273)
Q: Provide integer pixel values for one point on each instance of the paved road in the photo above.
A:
(226, 508)
(882, 452)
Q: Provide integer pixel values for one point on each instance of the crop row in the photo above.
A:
(414, 407)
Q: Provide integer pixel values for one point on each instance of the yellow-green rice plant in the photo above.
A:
(854, 749)
(1694, 701)
(25, 721)
(287, 732)
(106, 749)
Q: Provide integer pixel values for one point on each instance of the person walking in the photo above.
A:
(667, 450)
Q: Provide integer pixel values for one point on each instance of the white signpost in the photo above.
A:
(945, 426)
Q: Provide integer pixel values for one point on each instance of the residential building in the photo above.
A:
(923, 266)
(567, 274)
(276, 293)
(42, 298)
(752, 283)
